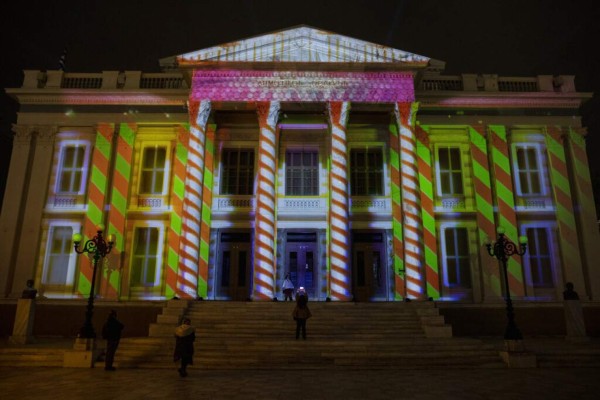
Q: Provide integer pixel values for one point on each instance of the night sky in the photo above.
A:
(505, 37)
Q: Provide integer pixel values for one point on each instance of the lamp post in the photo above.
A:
(502, 249)
(98, 248)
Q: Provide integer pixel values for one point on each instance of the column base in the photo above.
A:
(83, 355)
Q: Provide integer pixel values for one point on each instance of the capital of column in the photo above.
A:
(22, 134)
(268, 113)
(339, 112)
(46, 135)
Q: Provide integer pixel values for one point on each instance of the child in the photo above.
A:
(301, 313)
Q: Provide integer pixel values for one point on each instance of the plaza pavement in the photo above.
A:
(438, 384)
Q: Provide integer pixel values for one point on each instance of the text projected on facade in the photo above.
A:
(302, 86)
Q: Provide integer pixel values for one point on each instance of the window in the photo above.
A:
(456, 257)
(59, 263)
(301, 173)
(152, 179)
(71, 169)
(237, 172)
(145, 264)
(366, 172)
(449, 171)
(528, 174)
(540, 261)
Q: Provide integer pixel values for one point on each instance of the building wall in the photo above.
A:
(524, 173)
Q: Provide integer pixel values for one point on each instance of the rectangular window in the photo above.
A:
(540, 260)
(145, 263)
(457, 265)
(71, 169)
(450, 180)
(59, 261)
(366, 172)
(528, 171)
(237, 175)
(301, 173)
(152, 176)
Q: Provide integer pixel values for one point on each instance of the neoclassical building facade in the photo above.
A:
(361, 170)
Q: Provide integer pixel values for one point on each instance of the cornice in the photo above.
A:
(175, 97)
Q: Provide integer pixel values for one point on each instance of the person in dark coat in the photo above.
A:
(111, 332)
(185, 334)
(301, 313)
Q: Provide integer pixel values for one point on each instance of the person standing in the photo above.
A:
(185, 335)
(288, 288)
(111, 332)
(301, 313)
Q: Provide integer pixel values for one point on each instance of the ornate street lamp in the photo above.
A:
(98, 248)
(502, 249)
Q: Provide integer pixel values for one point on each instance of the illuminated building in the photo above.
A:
(362, 170)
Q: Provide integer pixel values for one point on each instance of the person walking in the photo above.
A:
(111, 332)
(185, 335)
(301, 313)
(288, 288)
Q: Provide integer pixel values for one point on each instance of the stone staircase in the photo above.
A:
(31, 356)
(261, 335)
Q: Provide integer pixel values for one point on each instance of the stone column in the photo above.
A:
(13, 206)
(189, 254)
(504, 202)
(35, 201)
(565, 214)
(340, 282)
(411, 205)
(265, 223)
(585, 215)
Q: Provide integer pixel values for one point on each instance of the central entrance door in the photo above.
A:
(369, 272)
(301, 259)
(234, 266)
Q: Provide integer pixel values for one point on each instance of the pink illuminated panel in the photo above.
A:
(302, 86)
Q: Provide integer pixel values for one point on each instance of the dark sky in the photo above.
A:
(507, 37)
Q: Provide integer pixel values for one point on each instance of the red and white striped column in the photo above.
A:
(339, 242)
(265, 218)
(411, 206)
(189, 252)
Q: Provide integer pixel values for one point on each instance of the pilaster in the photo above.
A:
(34, 202)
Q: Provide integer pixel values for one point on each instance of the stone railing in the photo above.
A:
(301, 205)
(81, 81)
(370, 204)
(494, 83)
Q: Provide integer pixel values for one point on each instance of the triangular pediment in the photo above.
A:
(302, 44)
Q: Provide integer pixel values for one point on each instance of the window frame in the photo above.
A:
(444, 257)
(64, 144)
(315, 169)
(555, 263)
(382, 170)
(72, 263)
(166, 171)
(438, 171)
(539, 153)
(223, 170)
(160, 262)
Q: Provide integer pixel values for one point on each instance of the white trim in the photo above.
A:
(158, 281)
(539, 153)
(85, 167)
(71, 267)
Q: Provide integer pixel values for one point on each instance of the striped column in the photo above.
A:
(427, 213)
(504, 200)
(189, 248)
(413, 235)
(209, 154)
(96, 199)
(265, 222)
(567, 229)
(118, 207)
(585, 210)
(175, 222)
(339, 243)
(485, 211)
(398, 243)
